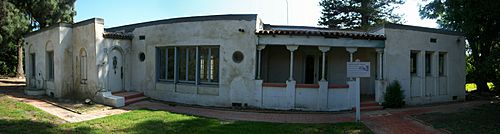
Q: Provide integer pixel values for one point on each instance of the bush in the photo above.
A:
(393, 97)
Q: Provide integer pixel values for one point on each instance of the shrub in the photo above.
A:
(393, 97)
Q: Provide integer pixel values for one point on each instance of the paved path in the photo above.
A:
(391, 121)
(247, 116)
(63, 113)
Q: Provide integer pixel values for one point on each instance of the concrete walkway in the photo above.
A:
(391, 121)
(63, 113)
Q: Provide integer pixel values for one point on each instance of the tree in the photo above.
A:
(13, 25)
(479, 21)
(354, 14)
(23, 16)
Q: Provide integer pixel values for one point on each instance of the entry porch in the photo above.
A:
(309, 73)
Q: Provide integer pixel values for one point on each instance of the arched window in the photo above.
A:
(83, 65)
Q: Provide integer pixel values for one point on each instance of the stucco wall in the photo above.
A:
(56, 39)
(84, 38)
(236, 82)
(401, 42)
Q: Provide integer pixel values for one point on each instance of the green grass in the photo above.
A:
(472, 86)
(18, 117)
(484, 119)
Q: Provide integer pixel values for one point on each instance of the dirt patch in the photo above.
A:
(75, 106)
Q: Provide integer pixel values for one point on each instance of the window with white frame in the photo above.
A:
(188, 64)
(209, 64)
(165, 60)
(50, 65)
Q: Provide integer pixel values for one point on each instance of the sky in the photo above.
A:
(300, 12)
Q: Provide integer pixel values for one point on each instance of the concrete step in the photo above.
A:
(115, 92)
(371, 108)
(134, 100)
(369, 103)
(129, 95)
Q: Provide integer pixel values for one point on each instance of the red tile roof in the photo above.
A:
(117, 35)
(325, 33)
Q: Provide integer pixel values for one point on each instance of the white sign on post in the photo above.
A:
(358, 69)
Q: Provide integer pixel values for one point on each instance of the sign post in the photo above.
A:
(357, 70)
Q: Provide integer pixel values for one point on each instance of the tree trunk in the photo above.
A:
(365, 15)
(479, 73)
(482, 86)
(20, 70)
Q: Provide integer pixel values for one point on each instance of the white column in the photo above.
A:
(351, 51)
(380, 53)
(259, 62)
(291, 48)
(323, 51)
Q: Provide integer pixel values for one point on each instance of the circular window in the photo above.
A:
(237, 56)
(142, 56)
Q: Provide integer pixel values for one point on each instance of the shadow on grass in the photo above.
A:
(25, 126)
(208, 126)
(483, 119)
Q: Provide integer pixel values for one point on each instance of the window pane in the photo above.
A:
(182, 63)
(50, 58)
(83, 67)
(162, 63)
(33, 63)
(441, 64)
(170, 63)
(204, 63)
(413, 63)
(428, 63)
(214, 64)
(191, 63)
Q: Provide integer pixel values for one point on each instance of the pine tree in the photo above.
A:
(358, 14)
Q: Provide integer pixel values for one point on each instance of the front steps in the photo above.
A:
(370, 106)
(130, 97)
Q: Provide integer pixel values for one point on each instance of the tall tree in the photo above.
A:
(14, 23)
(24, 16)
(355, 14)
(479, 20)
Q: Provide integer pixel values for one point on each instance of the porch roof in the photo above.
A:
(317, 36)
(317, 31)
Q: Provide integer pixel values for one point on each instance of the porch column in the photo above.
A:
(380, 53)
(259, 62)
(351, 51)
(323, 50)
(291, 48)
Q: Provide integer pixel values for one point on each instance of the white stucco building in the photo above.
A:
(238, 60)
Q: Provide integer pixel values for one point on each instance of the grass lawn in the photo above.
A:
(480, 120)
(18, 117)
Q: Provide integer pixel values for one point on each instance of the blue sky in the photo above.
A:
(300, 12)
